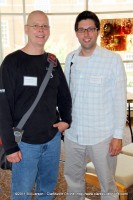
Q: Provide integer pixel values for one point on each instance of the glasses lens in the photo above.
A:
(89, 29)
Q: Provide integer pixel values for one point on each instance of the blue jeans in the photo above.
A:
(39, 166)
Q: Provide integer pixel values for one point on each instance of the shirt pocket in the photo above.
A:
(95, 85)
(96, 80)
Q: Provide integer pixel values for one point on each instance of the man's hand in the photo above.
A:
(62, 126)
(115, 146)
(14, 157)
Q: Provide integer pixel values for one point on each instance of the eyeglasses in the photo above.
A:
(37, 27)
(89, 29)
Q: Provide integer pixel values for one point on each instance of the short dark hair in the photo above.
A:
(87, 15)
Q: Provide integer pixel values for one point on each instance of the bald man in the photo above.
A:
(35, 158)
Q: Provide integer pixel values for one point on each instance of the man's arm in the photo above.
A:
(120, 99)
(64, 100)
(6, 116)
(120, 107)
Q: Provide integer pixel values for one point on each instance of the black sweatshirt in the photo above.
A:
(21, 75)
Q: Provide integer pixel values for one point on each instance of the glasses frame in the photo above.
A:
(37, 27)
(89, 30)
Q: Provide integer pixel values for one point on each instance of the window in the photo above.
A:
(41, 4)
(2, 2)
(5, 34)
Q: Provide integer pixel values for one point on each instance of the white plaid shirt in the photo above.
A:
(98, 89)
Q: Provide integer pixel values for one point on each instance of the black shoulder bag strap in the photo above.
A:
(18, 129)
(71, 63)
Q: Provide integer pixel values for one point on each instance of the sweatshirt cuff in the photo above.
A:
(12, 150)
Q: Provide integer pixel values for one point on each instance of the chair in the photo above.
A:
(128, 149)
(123, 175)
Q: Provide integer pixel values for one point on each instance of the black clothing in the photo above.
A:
(21, 75)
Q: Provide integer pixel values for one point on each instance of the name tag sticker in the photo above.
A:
(96, 80)
(30, 81)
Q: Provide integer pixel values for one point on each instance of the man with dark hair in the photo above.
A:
(97, 81)
(35, 158)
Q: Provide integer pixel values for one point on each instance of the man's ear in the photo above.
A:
(25, 29)
(98, 32)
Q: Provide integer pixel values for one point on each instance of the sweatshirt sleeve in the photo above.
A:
(6, 116)
(64, 99)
